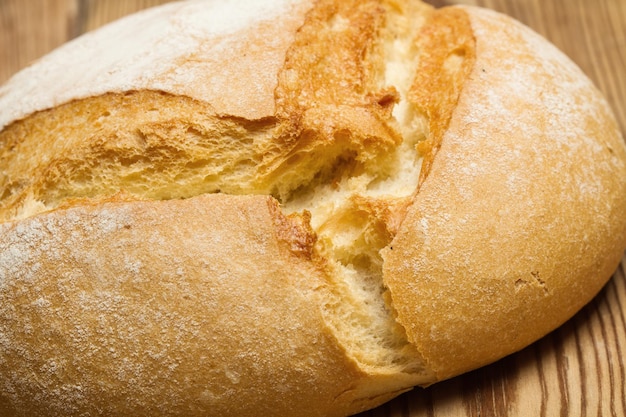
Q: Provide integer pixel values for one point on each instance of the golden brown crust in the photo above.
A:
(447, 56)
(521, 218)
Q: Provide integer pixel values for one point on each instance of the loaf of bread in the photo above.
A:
(293, 207)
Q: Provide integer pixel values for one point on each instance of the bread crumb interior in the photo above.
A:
(354, 211)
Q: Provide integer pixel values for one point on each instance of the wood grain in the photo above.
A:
(577, 370)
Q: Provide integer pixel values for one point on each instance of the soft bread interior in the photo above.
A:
(342, 150)
(356, 207)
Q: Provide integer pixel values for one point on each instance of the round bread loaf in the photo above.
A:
(293, 207)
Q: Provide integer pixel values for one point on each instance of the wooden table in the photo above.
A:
(579, 369)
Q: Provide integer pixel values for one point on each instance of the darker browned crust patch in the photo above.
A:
(294, 230)
(447, 55)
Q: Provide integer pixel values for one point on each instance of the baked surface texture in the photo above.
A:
(293, 207)
(526, 193)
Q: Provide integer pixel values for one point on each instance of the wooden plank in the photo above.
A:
(30, 29)
(579, 369)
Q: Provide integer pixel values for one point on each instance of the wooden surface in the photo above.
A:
(579, 369)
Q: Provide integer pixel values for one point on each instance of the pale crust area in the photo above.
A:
(165, 321)
(186, 51)
(521, 218)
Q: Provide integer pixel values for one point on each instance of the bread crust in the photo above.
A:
(520, 221)
(178, 307)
